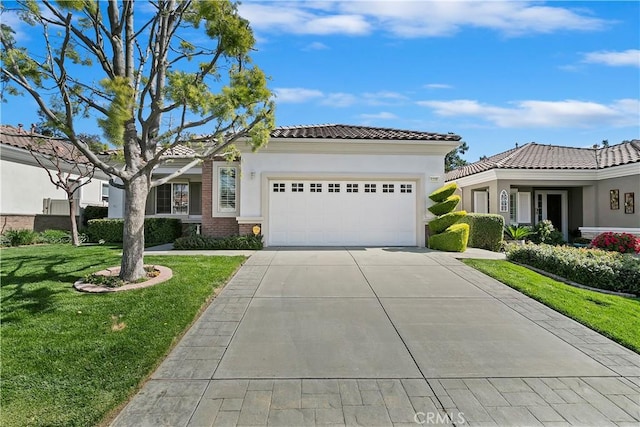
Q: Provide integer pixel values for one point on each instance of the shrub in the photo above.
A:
(54, 236)
(545, 232)
(157, 231)
(443, 192)
(617, 242)
(518, 232)
(248, 242)
(445, 206)
(591, 267)
(445, 221)
(94, 212)
(485, 230)
(454, 239)
(20, 237)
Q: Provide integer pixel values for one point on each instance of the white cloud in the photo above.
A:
(416, 18)
(295, 95)
(543, 114)
(299, 18)
(383, 115)
(384, 98)
(438, 86)
(339, 99)
(316, 46)
(615, 59)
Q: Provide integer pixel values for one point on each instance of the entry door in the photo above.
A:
(552, 205)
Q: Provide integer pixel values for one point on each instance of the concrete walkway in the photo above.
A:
(384, 337)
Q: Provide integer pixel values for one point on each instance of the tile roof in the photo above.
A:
(47, 145)
(346, 132)
(539, 156)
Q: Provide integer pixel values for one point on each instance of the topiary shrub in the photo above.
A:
(485, 230)
(596, 268)
(453, 239)
(445, 221)
(195, 242)
(446, 234)
(443, 192)
(157, 231)
(446, 206)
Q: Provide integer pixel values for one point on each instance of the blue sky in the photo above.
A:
(495, 72)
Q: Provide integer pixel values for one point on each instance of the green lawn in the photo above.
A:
(615, 317)
(70, 359)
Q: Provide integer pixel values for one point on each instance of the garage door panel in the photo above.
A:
(335, 213)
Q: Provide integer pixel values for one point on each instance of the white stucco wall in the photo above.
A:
(23, 188)
(256, 166)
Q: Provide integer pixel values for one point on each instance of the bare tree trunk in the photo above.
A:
(132, 267)
(72, 216)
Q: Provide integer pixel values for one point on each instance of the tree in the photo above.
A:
(454, 160)
(128, 68)
(67, 169)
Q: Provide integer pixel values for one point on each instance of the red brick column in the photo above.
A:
(214, 226)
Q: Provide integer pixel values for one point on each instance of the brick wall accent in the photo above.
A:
(245, 229)
(35, 222)
(214, 226)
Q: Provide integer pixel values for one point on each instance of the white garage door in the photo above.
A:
(336, 213)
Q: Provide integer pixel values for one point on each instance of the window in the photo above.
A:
(334, 188)
(227, 189)
(172, 199)
(513, 208)
(406, 188)
(105, 191)
(278, 187)
(297, 187)
(388, 188)
(352, 188)
(504, 201)
(315, 188)
(370, 188)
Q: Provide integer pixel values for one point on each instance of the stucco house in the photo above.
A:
(28, 199)
(320, 185)
(588, 189)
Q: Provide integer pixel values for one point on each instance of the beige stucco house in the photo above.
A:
(587, 189)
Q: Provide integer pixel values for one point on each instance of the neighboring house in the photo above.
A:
(28, 199)
(323, 185)
(587, 189)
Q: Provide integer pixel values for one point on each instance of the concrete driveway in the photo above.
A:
(384, 337)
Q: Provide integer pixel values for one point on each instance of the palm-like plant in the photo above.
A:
(518, 232)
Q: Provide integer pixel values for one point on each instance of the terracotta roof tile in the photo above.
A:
(20, 138)
(347, 132)
(538, 156)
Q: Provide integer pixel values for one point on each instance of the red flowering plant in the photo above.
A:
(624, 243)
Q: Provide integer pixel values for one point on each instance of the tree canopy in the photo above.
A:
(150, 75)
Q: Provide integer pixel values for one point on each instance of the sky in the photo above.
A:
(496, 73)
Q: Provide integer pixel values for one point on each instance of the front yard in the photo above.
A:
(613, 316)
(70, 359)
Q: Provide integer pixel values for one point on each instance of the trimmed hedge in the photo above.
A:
(94, 212)
(445, 206)
(157, 231)
(454, 239)
(445, 221)
(590, 267)
(443, 192)
(486, 231)
(248, 242)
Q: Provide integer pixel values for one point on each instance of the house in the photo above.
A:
(28, 199)
(587, 189)
(320, 185)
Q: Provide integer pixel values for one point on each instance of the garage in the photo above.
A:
(342, 213)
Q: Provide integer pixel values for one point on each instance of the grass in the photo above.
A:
(70, 359)
(613, 316)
